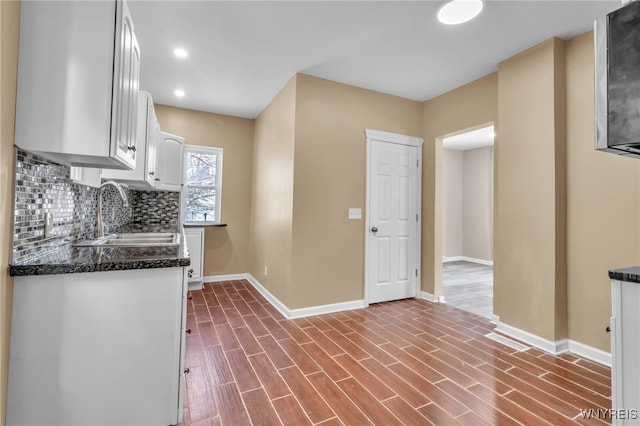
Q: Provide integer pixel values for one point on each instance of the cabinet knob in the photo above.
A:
(188, 331)
(608, 329)
(157, 178)
(186, 370)
(132, 148)
(152, 173)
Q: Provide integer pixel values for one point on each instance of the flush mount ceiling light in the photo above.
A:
(457, 12)
(180, 53)
(179, 93)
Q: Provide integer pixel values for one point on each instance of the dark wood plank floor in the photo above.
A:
(408, 362)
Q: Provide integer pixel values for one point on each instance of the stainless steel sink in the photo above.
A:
(135, 239)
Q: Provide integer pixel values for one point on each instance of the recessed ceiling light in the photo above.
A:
(180, 53)
(457, 12)
(179, 93)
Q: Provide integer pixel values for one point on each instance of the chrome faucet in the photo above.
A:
(125, 203)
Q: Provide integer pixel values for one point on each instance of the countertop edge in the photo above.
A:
(124, 265)
(630, 274)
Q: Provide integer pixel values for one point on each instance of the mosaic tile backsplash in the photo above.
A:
(43, 186)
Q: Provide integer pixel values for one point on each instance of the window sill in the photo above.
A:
(204, 225)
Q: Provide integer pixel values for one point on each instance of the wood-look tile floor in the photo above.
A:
(408, 362)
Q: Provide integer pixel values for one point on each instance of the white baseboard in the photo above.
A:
(219, 278)
(327, 309)
(446, 259)
(303, 312)
(589, 352)
(555, 348)
(430, 297)
(426, 296)
(281, 307)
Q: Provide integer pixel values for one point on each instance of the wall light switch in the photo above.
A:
(355, 213)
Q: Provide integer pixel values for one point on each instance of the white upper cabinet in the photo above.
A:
(170, 162)
(78, 74)
(143, 176)
(85, 176)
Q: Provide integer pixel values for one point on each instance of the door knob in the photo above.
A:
(374, 229)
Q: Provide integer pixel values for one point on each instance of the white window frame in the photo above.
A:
(217, 187)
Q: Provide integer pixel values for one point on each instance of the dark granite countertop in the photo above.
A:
(68, 259)
(631, 274)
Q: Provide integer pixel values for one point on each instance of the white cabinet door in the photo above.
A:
(85, 176)
(77, 83)
(96, 349)
(153, 139)
(147, 134)
(125, 90)
(625, 351)
(170, 162)
(195, 244)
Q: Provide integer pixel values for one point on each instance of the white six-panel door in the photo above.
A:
(392, 218)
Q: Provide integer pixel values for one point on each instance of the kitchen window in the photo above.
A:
(202, 184)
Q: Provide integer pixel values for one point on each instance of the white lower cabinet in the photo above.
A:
(195, 244)
(625, 353)
(101, 348)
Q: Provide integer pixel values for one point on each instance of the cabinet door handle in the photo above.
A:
(132, 148)
(190, 273)
(152, 173)
(188, 331)
(608, 329)
(186, 370)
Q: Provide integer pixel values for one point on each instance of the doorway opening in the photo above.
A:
(467, 219)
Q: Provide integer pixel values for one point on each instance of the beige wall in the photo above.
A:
(529, 257)
(9, 34)
(272, 194)
(225, 249)
(452, 202)
(469, 107)
(329, 178)
(602, 231)
(477, 232)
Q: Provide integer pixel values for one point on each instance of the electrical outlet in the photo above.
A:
(266, 271)
(48, 224)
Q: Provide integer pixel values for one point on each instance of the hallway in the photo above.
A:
(468, 286)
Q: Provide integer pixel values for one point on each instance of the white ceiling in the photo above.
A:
(478, 138)
(242, 53)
